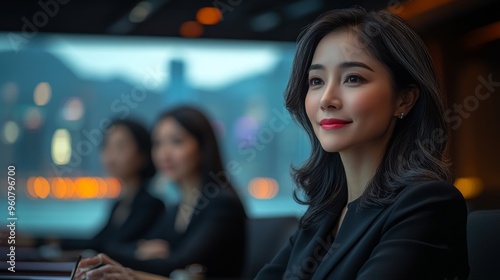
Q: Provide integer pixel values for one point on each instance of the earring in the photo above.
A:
(401, 115)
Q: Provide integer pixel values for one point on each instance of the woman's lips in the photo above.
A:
(332, 123)
(167, 167)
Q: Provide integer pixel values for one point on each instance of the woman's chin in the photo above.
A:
(330, 148)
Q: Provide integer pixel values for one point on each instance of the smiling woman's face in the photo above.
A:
(175, 151)
(350, 101)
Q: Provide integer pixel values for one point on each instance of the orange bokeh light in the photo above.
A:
(469, 186)
(191, 29)
(102, 188)
(30, 187)
(86, 187)
(263, 188)
(73, 188)
(59, 188)
(70, 188)
(209, 15)
(41, 187)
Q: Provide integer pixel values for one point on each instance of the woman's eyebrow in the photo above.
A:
(346, 64)
(316, 67)
(350, 64)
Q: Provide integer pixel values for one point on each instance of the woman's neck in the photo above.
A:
(360, 165)
(189, 187)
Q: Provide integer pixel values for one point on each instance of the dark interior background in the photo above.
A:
(462, 35)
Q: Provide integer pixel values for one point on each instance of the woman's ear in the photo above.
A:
(406, 99)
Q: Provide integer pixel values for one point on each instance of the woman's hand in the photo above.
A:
(110, 270)
(152, 249)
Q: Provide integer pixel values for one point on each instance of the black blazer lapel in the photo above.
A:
(311, 246)
(319, 239)
(352, 229)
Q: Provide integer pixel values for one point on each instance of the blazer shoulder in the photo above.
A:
(439, 190)
(145, 198)
(225, 195)
(433, 196)
(227, 200)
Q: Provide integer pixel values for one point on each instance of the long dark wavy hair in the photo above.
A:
(415, 152)
(195, 122)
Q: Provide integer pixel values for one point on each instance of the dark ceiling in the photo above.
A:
(242, 19)
(279, 20)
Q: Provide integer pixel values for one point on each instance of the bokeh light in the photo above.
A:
(30, 187)
(86, 188)
(41, 187)
(102, 187)
(59, 188)
(61, 146)
(33, 118)
(73, 109)
(70, 188)
(42, 94)
(80, 188)
(191, 29)
(470, 187)
(246, 129)
(263, 188)
(10, 132)
(209, 15)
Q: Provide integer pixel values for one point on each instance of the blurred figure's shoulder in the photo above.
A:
(144, 197)
(224, 197)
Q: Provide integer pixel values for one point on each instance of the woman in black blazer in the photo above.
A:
(207, 228)
(214, 238)
(126, 155)
(377, 183)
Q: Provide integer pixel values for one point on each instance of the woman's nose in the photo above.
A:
(330, 98)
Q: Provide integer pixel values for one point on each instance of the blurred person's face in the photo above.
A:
(120, 155)
(350, 101)
(175, 151)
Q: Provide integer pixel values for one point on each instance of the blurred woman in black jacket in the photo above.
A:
(126, 155)
(206, 228)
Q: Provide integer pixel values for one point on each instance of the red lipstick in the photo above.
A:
(333, 123)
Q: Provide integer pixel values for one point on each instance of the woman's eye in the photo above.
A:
(315, 82)
(353, 79)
